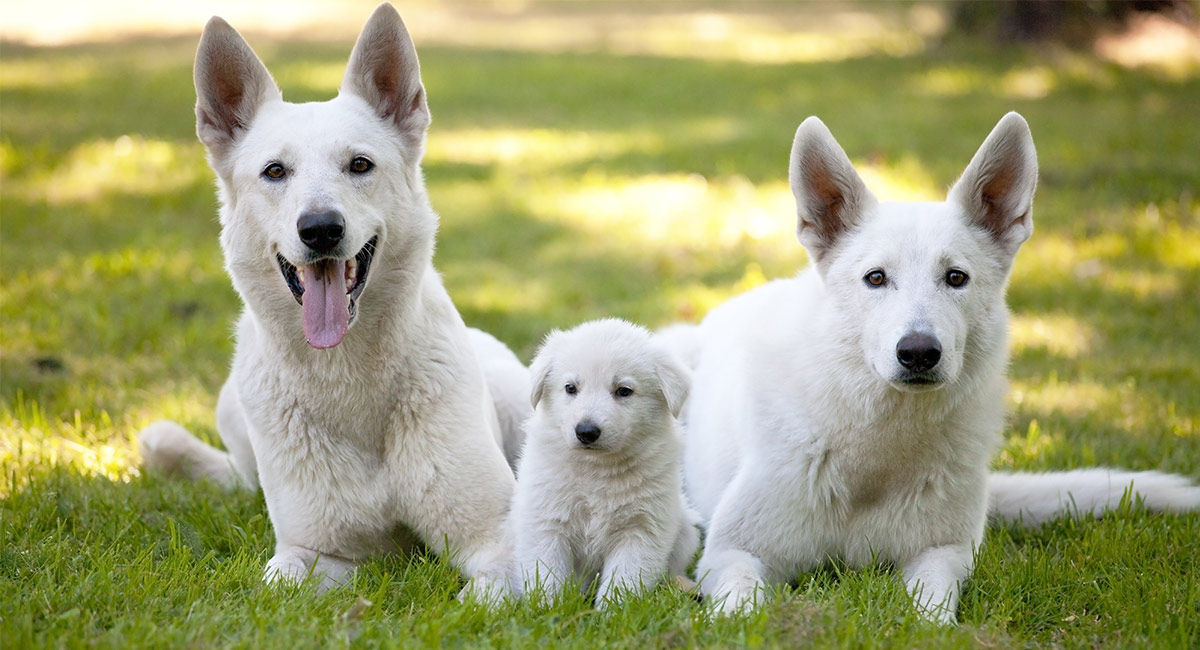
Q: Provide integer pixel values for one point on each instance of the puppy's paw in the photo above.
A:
(487, 590)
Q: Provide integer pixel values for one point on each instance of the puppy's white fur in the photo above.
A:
(390, 437)
(808, 436)
(613, 507)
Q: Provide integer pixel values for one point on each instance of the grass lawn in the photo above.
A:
(574, 183)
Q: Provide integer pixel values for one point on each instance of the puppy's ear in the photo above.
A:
(384, 71)
(675, 379)
(231, 85)
(539, 368)
(831, 198)
(996, 190)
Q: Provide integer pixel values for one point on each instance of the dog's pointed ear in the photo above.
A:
(231, 85)
(675, 380)
(996, 190)
(831, 198)
(539, 369)
(384, 71)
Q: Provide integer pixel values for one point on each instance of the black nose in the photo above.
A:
(587, 432)
(321, 231)
(918, 352)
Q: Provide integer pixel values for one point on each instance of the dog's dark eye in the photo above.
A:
(876, 278)
(624, 391)
(274, 171)
(571, 389)
(361, 165)
(956, 278)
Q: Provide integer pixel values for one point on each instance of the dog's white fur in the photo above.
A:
(808, 439)
(614, 507)
(390, 438)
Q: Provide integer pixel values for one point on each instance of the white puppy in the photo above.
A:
(599, 489)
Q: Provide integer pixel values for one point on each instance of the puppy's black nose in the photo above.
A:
(321, 231)
(587, 432)
(918, 352)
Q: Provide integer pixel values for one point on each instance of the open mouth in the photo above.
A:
(328, 291)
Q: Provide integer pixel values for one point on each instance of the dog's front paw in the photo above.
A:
(487, 590)
(285, 569)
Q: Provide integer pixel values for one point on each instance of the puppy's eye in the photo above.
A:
(624, 391)
(361, 165)
(956, 278)
(571, 389)
(274, 172)
(876, 278)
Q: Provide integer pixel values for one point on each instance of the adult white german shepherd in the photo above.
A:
(356, 399)
(852, 412)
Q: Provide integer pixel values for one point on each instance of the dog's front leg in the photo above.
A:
(459, 509)
(296, 564)
(544, 562)
(634, 565)
(751, 535)
(934, 577)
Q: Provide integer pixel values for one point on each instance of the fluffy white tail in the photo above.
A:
(1033, 498)
(169, 448)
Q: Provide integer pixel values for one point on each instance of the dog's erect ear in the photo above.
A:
(675, 379)
(231, 85)
(831, 198)
(996, 190)
(384, 71)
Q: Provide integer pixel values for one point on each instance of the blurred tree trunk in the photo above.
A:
(1072, 22)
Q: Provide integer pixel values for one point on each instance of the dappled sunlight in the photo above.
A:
(755, 33)
(535, 149)
(689, 210)
(1154, 41)
(99, 447)
(676, 210)
(1028, 83)
(131, 165)
(1030, 447)
(1053, 259)
(1121, 405)
(691, 301)
(1056, 334)
(83, 275)
(30, 73)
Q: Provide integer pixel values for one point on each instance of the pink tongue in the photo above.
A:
(325, 309)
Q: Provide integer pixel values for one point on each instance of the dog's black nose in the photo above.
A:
(918, 352)
(321, 231)
(587, 432)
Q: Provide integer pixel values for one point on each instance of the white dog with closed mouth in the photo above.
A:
(356, 398)
(852, 412)
(599, 484)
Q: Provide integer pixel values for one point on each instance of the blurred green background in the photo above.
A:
(588, 160)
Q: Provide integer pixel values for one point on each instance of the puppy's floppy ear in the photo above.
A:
(831, 198)
(996, 190)
(675, 379)
(384, 71)
(539, 368)
(231, 85)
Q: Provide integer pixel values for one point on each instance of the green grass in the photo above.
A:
(573, 186)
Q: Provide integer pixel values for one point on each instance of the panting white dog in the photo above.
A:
(599, 487)
(852, 412)
(357, 399)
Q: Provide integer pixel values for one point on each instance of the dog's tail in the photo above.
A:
(1033, 498)
(170, 449)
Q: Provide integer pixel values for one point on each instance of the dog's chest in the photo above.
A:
(324, 454)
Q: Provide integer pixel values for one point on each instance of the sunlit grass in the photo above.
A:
(641, 173)
(124, 165)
